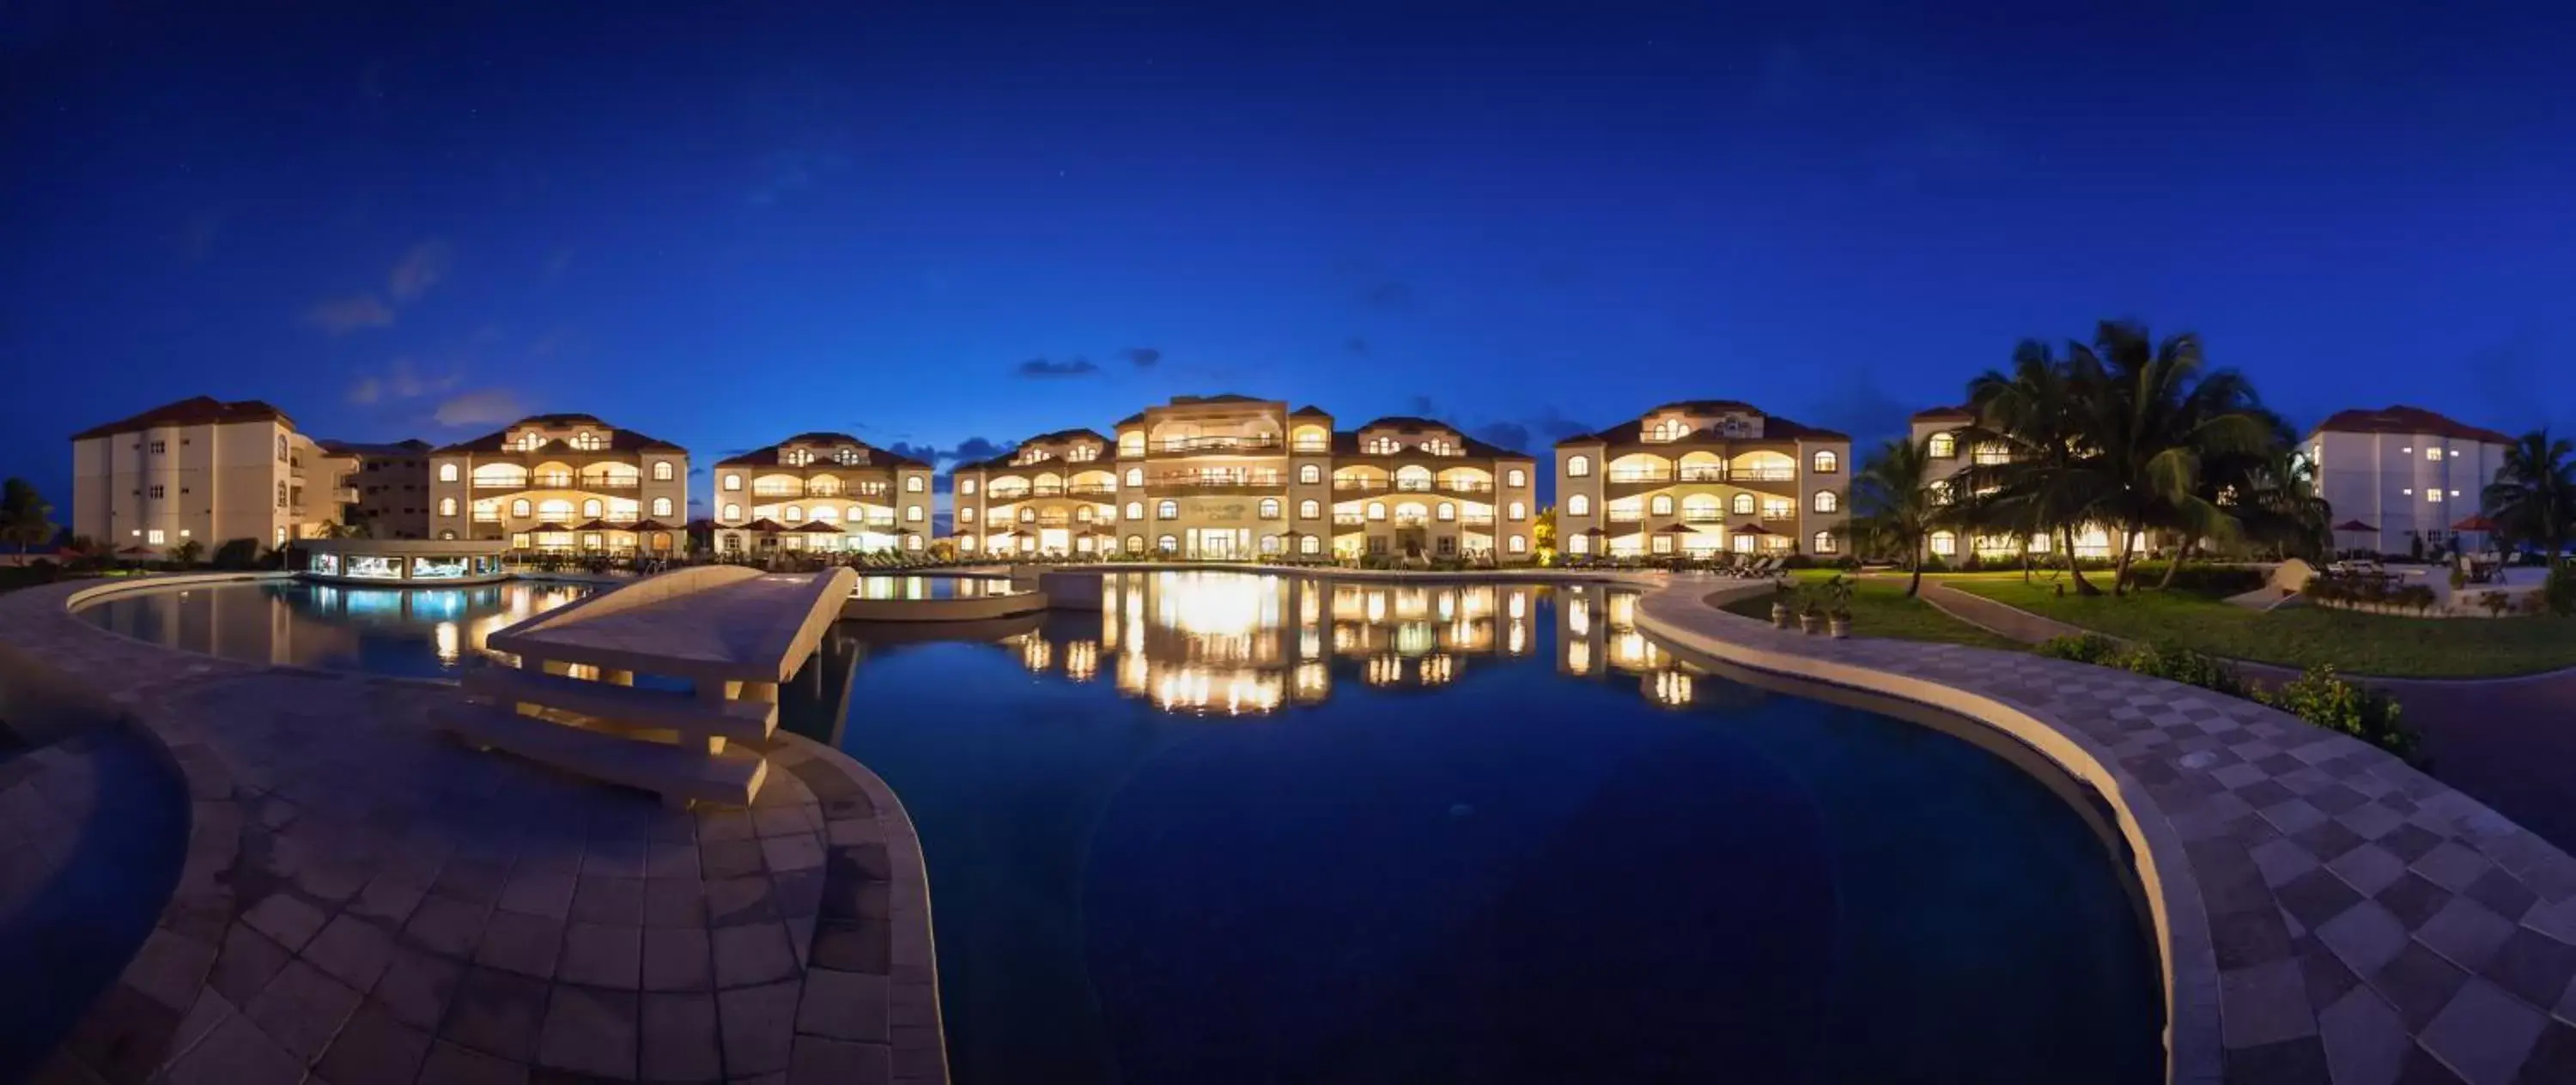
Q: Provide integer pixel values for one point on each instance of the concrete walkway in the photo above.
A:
(364, 900)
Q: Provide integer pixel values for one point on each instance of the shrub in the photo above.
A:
(237, 554)
(2496, 603)
(2559, 591)
(2185, 666)
(2081, 648)
(2200, 577)
(2335, 704)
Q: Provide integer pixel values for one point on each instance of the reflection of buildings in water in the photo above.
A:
(305, 624)
(1082, 660)
(1597, 633)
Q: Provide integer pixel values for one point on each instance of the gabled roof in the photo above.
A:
(1136, 419)
(1075, 434)
(1310, 411)
(1944, 414)
(1774, 427)
(413, 447)
(2404, 419)
(619, 440)
(1708, 406)
(193, 411)
(825, 442)
(1347, 442)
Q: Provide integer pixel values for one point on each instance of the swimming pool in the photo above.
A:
(881, 586)
(1257, 828)
(405, 632)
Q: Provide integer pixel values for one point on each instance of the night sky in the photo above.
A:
(947, 226)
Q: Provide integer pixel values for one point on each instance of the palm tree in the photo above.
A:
(2045, 480)
(2152, 417)
(2533, 497)
(1895, 506)
(187, 552)
(23, 515)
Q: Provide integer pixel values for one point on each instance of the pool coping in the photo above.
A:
(164, 1007)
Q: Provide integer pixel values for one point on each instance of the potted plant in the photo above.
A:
(1839, 617)
(1811, 617)
(1780, 605)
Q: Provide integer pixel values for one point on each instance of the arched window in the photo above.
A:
(913, 484)
(446, 472)
(1028, 514)
(1661, 505)
(1167, 510)
(447, 536)
(912, 514)
(662, 470)
(1827, 463)
(826, 513)
(1135, 543)
(1135, 477)
(1517, 511)
(590, 509)
(733, 512)
(1578, 505)
(1168, 544)
(795, 514)
(1944, 543)
(1578, 466)
(1448, 511)
(912, 542)
(1824, 543)
(733, 482)
(1310, 474)
(1828, 501)
(281, 448)
(1942, 446)
(1310, 545)
(1269, 508)
(1377, 510)
(1135, 510)
(1578, 544)
(1270, 544)
(966, 516)
(447, 506)
(1309, 509)
(1520, 544)
(1132, 444)
(520, 507)
(1516, 478)
(661, 506)
(1082, 513)
(966, 486)
(1743, 505)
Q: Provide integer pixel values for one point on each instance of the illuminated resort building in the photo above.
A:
(1704, 476)
(821, 492)
(1951, 448)
(205, 471)
(1232, 477)
(1597, 636)
(562, 483)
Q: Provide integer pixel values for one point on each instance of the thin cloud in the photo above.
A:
(340, 316)
(418, 270)
(399, 381)
(1422, 407)
(482, 407)
(1355, 345)
(1511, 435)
(1044, 369)
(1142, 357)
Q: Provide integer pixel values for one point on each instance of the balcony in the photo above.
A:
(1477, 520)
(1349, 519)
(1410, 486)
(1184, 446)
(1639, 474)
(1765, 474)
(773, 489)
(1311, 448)
(611, 482)
(1697, 517)
(1090, 489)
(1056, 520)
(1231, 480)
(1621, 516)
(346, 495)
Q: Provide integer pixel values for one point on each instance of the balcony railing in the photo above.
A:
(878, 523)
(1311, 448)
(1640, 474)
(500, 484)
(1171, 445)
(1348, 519)
(1081, 489)
(1618, 516)
(1692, 516)
(1773, 516)
(1412, 521)
(1046, 521)
(1477, 520)
(773, 489)
(1766, 474)
(1218, 481)
(611, 482)
(1411, 485)
(1704, 473)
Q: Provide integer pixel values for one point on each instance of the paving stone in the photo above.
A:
(2365, 1041)
(245, 963)
(352, 950)
(447, 926)
(2453, 866)
(285, 919)
(729, 859)
(302, 1009)
(2317, 896)
(498, 1013)
(797, 851)
(2365, 936)
(2466, 933)
(374, 1049)
(609, 900)
(2260, 1005)
(2368, 868)
(677, 959)
(2503, 894)
(680, 1037)
(603, 955)
(2532, 966)
(538, 892)
(758, 1024)
(517, 942)
(169, 968)
(474, 881)
(2484, 1034)
(2553, 1057)
(820, 1061)
(2417, 983)
(451, 1064)
(853, 1005)
(752, 953)
(236, 1052)
(591, 1031)
(735, 901)
(2413, 900)
(2300, 1061)
(2241, 939)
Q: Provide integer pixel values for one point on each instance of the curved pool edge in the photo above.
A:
(164, 1002)
(2241, 817)
(983, 608)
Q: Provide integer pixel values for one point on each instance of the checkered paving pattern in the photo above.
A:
(364, 900)
(2333, 914)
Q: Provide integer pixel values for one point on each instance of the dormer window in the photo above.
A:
(1383, 446)
(1083, 453)
(586, 441)
(1669, 429)
(1440, 446)
(1030, 455)
(796, 457)
(848, 456)
(531, 441)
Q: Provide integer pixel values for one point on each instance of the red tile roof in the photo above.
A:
(194, 411)
(1944, 414)
(2404, 419)
(826, 442)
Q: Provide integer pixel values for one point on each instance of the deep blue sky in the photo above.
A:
(727, 228)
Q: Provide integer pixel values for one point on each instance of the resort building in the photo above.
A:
(206, 471)
(1233, 477)
(1704, 476)
(1944, 434)
(562, 483)
(392, 484)
(2409, 475)
(826, 492)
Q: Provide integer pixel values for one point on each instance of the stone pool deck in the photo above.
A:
(364, 900)
(2325, 912)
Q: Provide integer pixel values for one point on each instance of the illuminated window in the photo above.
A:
(1167, 510)
(281, 495)
(1824, 543)
(1944, 543)
(1132, 444)
(1168, 544)
(447, 506)
(1578, 466)
(587, 441)
(1828, 501)
(1775, 508)
(965, 516)
(912, 514)
(1516, 477)
(521, 508)
(661, 506)
(794, 457)
(1578, 505)
(913, 484)
(1382, 446)
(733, 512)
(1520, 544)
(1310, 545)
(1942, 446)
(1827, 463)
(1663, 543)
(2432, 453)
(1578, 544)
(662, 470)
(1377, 510)
(1448, 511)
(1310, 474)
(590, 509)
(1135, 477)
(446, 472)
(1269, 508)
(1662, 505)
(1743, 505)
(2433, 496)
(153, 536)
(281, 448)
(1993, 452)
(1135, 544)
(1135, 510)
(733, 482)
(1028, 515)
(795, 514)
(1309, 509)
(1270, 544)
(1517, 511)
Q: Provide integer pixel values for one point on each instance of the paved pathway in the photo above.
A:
(2509, 742)
(364, 900)
(2325, 912)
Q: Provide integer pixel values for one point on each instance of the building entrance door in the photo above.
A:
(1055, 540)
(1217, 545)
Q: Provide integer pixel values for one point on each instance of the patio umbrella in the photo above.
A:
(1592, 531)
(2352, 525)
(1675, 529)
(137, 551)
(815, 527)
(650, 525)
(2477, 523)
(548, 526)
(765, 525)
(1755, 529)
(599, 525)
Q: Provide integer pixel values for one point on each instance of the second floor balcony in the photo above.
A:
(1183, 446)
(1625, 516)
(1215, 480)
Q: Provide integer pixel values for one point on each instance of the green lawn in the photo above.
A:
(2301, 636)
(1881, 609)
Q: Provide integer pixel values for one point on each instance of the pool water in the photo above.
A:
(405, 632)
(1258, 829)
(931, 587)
